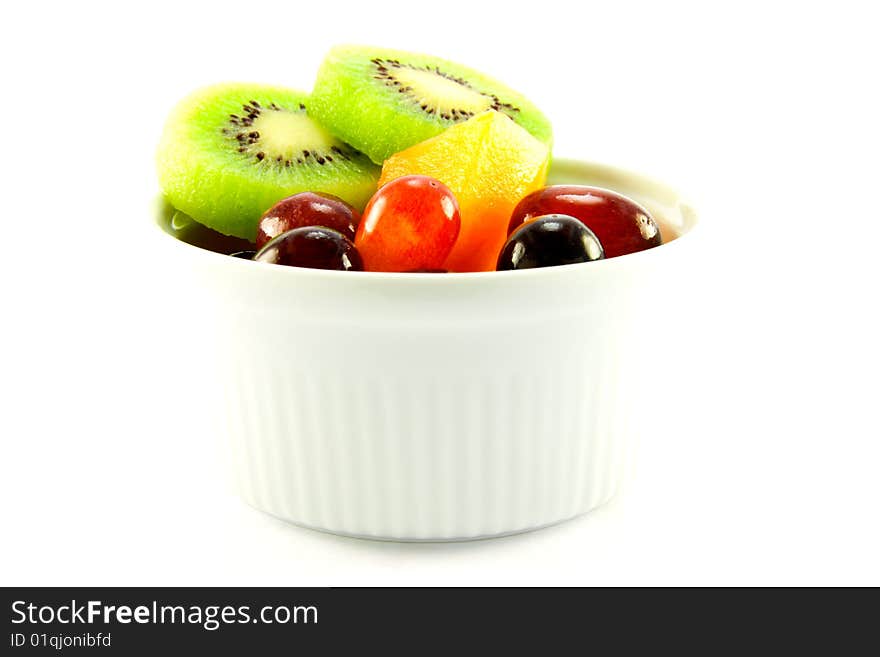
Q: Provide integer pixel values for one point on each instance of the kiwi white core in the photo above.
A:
(436, 92)
(440, 92)
(281, 137)
(286, 134)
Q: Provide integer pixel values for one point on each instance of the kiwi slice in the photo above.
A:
(230, 151)
(383, 101)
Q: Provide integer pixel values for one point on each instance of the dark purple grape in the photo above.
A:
(316, 247)
(245, 255)
(547, 241)
(307, 209)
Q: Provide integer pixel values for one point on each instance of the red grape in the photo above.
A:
(622, 225)
(410, 223)
(307, 209)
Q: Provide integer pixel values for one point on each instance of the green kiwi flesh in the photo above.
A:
(229, 152)
(384, 101)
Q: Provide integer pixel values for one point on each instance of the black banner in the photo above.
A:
(254, 621)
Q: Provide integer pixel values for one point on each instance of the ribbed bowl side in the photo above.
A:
(427, 454)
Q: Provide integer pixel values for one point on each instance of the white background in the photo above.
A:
(760, 465)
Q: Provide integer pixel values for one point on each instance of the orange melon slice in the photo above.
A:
(490, 163)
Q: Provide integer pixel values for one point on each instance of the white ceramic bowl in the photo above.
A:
(432, 407)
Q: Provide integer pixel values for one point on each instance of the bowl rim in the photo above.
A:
(667, 249)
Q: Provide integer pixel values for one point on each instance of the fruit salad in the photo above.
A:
(395, 162)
